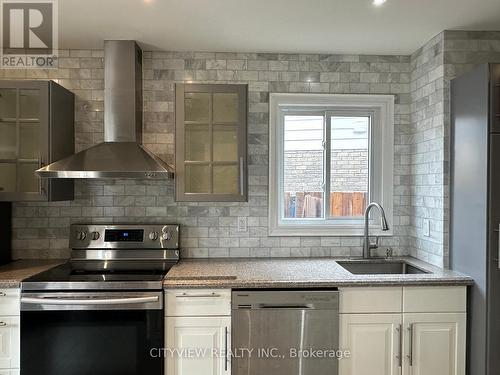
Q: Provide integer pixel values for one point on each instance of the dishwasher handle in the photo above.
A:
(285, 306)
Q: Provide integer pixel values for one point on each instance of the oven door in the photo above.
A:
(91, 333)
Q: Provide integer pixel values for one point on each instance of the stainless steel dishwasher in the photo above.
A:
(285, 332)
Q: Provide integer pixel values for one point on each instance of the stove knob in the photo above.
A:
(166, 236)
(81, 235)
(153, 236)
(95, 235)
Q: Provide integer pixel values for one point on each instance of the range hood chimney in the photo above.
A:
(121, 155)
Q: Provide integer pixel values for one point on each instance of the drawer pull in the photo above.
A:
(211, 295)
(3, 324)
(3, 294)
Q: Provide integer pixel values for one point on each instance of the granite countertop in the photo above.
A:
(296, 273)
(13, 273)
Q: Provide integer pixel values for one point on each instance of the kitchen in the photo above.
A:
(197, 180)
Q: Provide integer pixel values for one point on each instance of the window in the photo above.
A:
(330, 155)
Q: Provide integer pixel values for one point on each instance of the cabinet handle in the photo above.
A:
(3, 294)
(242, 182)
(400, 355)
(185, 295)
(410, 351)
(41, 164)
(225, 348)
(3, 324)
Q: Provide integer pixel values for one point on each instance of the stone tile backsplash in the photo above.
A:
(210, 229)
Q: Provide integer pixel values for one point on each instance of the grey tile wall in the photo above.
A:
(420, 83)
(446, 56)
(426, 182)
(210, 229)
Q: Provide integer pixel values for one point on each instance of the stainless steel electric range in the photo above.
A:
(100, 313)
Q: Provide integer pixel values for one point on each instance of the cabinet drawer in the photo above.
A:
(10, 372)
(435, 299)
(370, 300)
(9, 302)
(197, 302)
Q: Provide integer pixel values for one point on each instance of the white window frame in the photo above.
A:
(381, 164)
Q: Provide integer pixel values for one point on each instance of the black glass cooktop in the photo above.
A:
(104, 271)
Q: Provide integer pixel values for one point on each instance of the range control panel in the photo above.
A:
(148, 236)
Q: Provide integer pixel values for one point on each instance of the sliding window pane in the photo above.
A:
(349, 177)
(303, 167)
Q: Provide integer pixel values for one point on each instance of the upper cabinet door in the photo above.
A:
(23, 122)
(26, 127)
(211, 147)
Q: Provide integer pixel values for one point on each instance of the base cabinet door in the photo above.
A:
(435, 343)
(9, 342)
(374, 342)
(197, 345)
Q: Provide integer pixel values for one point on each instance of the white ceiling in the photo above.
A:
(309, 26)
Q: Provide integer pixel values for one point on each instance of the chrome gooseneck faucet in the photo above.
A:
(367, 245)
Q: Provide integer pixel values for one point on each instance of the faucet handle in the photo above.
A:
(388, 253)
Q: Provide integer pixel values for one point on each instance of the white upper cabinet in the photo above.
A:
(211, 142)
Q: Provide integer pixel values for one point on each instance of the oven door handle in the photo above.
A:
(97, 301)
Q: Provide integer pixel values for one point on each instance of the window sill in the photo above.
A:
(325, 231)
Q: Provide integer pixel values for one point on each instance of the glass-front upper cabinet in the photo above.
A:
(211, 148)
(36, 128)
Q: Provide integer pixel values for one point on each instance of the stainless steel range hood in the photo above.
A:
(121, 155)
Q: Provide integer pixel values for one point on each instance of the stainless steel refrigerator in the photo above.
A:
(475, 208)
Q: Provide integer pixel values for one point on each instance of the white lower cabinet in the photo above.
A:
(435, 343)
(198, 345)
(198, 332)
(374, 342)
(10, 331)
(9, 342)
(404, 340)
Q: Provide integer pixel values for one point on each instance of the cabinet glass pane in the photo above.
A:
(197, 107)
(8, 103)
(7, 177)
(197, 179)
(226, 179)
(225, 143)
(27, 180)
(29, 104)
(29, 141)
(196, 143)
(8, 142)
(225, 107)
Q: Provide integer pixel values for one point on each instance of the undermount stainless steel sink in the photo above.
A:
(380, 267)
